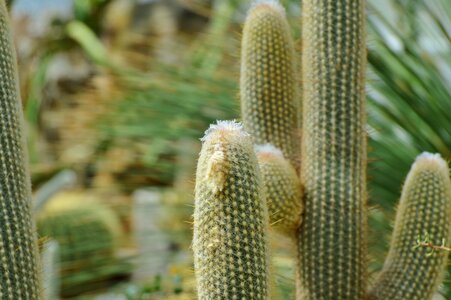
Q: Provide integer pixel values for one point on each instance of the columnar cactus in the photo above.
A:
(331, 240)
(269, 103)
(424, 210)
(18, 249)
(230, 220)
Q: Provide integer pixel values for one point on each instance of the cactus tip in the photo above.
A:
(220, 136)
(274, 4)
(268, 149)
(432, 160)
(221, 127)
(428, 155)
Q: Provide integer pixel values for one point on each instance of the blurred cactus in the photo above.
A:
(18, 249)
(50, 260)
(88, 234)
(331, 240)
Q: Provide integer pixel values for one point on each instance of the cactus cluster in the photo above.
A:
(310, 175)
(87, 234)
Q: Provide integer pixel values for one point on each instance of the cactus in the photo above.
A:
(50, 270)
(282, 189)
(230, 220)
(18, 248)
(326, 208)
(425, 209)
(332, 243)
(87, 233)
(269, 102)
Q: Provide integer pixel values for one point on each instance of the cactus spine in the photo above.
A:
(18, 249)
(331, 244)
(331, 240)
(425, 208)
(230, 218)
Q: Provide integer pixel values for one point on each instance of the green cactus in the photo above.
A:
(269, 98)
(230, 220)
(18, 248)
(332, 238)
(87, 233)
(282, 189)
(328, 203)
(425, 209)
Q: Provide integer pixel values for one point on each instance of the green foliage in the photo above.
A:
(408, 110)
(177, 105)
(81, 33)
(89, 12)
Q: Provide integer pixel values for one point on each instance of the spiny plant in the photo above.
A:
(87, 234)
(235, 186)
(19, 273)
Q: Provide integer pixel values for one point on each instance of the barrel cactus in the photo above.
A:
(87, 233)
(317, 156)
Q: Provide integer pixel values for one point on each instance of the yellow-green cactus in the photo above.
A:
(18, 250)
(269, 99)
(230, 218)
(88, 234)
(282, 189)
(332, 238)
(425, 210)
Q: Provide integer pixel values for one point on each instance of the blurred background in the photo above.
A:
(117, 93)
